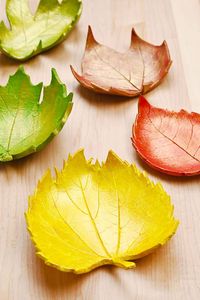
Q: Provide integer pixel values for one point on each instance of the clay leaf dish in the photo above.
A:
(31, 34)
(168, 141)
(26, 124)
(92, 215)
(135, 72)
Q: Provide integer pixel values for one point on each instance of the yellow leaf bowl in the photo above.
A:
(98, 214)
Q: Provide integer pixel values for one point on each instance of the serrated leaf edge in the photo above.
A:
(38, 49)
(113, 91)
(125, 262)
(32, 149)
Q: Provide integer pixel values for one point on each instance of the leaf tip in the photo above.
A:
(54, 75)
(18, 73)
(39, 48)
(133, 33)
(55, 80)
(76, 75)
(144, 107)
(78, 154)
(134, 37)
(82, 80)
(114, 160)
(21, 69)
(143, 101)
(111, 155)
(21, 75)
(91, 41)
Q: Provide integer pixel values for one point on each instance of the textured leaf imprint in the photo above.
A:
(168, 141)
(92, 215)
(30, 35)
(27, 125)
(137, 71)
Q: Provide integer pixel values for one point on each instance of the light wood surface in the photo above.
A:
(99, 123)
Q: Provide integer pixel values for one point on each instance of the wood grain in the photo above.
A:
(99, 123)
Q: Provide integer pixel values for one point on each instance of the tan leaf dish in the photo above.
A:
(135, 72)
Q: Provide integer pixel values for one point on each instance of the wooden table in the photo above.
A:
(99, 123)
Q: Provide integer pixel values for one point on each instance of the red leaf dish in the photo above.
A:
(168, 141)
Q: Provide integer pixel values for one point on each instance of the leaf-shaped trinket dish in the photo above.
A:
(26, 124)
(168, 141)
(30, 35)
(135, 72)
(92, 215)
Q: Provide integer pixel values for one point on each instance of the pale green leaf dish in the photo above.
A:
(29, 35)
(27, 124)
